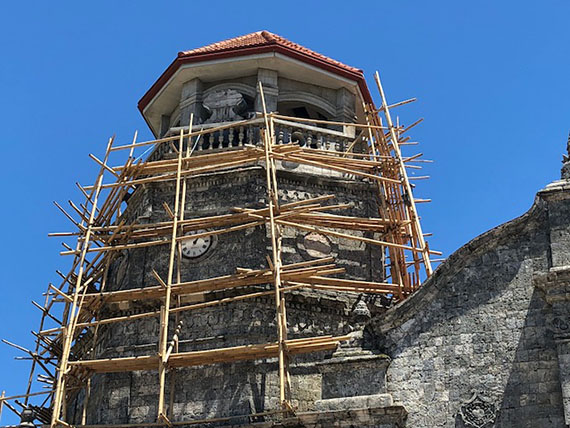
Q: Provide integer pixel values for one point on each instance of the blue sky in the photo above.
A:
(491, 78)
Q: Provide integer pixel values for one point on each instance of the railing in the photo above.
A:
(286, 132)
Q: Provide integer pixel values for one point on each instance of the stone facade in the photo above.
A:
(484, 342)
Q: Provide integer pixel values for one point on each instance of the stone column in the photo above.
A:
(345, 101)
(345, 105)
(164, 124)
(191, 102)
(556, 282)
(269, 80)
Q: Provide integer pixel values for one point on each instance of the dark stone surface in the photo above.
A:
(243, 388)
(480, 324)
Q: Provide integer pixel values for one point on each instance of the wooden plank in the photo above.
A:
(211, 356)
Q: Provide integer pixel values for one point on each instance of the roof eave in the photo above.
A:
(357, 76)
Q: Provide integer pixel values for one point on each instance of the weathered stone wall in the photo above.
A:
(247, 387)
(476, 346)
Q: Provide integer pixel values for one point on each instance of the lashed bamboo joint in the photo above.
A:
(65, 355)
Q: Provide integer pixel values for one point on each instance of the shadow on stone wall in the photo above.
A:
(533, 396)
(478, 324)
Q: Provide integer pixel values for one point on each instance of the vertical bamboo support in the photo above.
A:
(166, 313)
(2, 403)
(132, 150)
(95, 336)
(412, 205)
(272, 202)
(178, 265)
(397, 271)
(68, 332)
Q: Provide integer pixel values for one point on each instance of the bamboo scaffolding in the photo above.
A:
(165, 314)
(272, 202)
(67, 339)
(212, 356)
(68, 334)
(417, 230)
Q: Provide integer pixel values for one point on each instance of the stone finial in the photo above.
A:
(566, 161)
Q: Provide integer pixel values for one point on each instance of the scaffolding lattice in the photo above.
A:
(63, 358)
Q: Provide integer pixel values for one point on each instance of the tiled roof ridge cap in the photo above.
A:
(259, 39)
(216, 46)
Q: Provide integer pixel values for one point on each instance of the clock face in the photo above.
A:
(195, 247)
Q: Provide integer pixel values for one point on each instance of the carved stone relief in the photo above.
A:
(479, 411)
(225, 105)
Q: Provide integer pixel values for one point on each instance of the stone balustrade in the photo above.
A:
(286, 132)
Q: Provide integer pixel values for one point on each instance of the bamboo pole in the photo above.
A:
(166, 313)
(68, 332)
(2, 402)
(178, 267)
(413, 211)
(271, 200)
(214, 356)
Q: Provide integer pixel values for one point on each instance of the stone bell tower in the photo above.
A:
(225, 273)
(218, 85)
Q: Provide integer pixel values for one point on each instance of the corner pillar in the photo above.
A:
(269, 79)
(191, 102)
(345, 109)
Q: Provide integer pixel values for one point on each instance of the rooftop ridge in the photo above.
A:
(262, 38)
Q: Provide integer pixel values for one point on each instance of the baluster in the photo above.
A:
(310, 140)
(211, 140)
(259, 141)
(280, 135)
(231, 137)
(240, 136)
(319, 140)
(221, 139)
(250, 130)
(297, 137)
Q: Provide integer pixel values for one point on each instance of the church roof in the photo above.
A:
(251, 44)
(263, 38)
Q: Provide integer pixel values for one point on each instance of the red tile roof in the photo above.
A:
(263, 38)
(257, 43)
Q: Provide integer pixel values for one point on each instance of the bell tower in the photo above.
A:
(225, 272)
